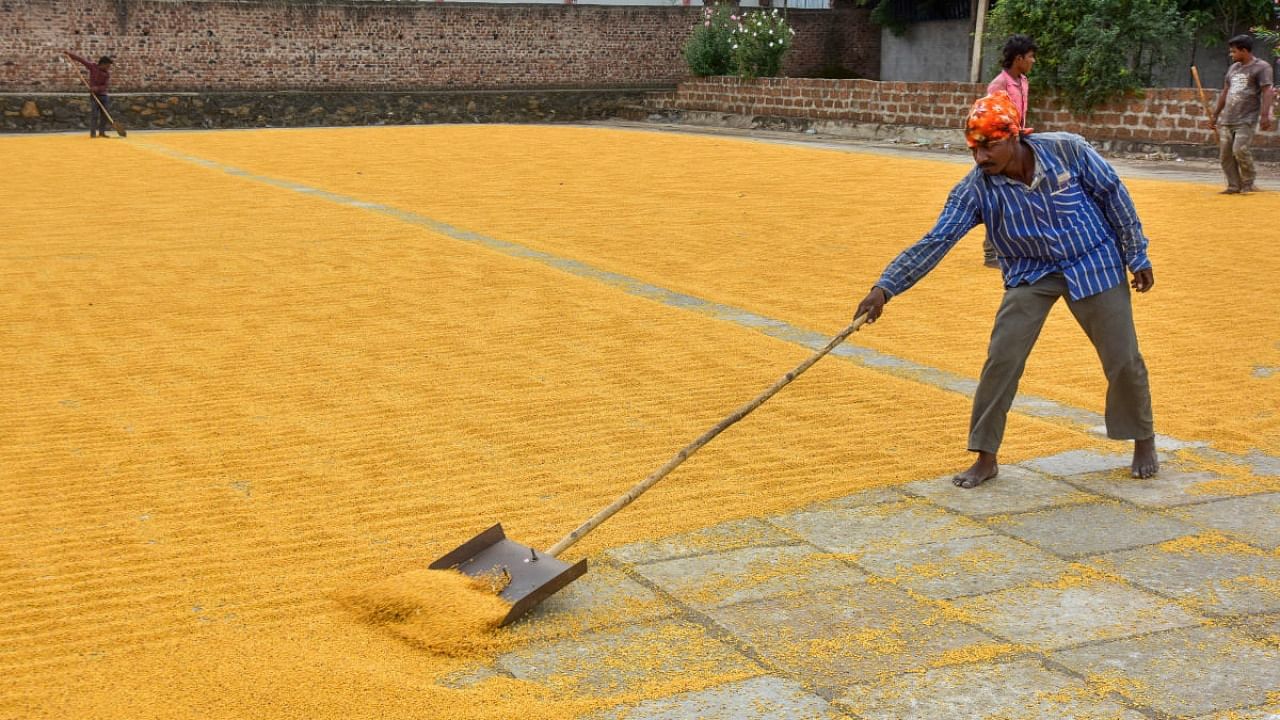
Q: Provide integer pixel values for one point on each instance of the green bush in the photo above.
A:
(760, 40)
(1092, 51)
(709, 50)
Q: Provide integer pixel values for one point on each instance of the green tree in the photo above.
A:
(1266, 21)
(1092, 51)
(1214, 21)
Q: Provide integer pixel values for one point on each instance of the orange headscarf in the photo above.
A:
(993, 117)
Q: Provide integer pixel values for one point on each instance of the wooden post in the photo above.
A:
(979, 28)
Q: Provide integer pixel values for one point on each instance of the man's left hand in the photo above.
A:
(1143, 280)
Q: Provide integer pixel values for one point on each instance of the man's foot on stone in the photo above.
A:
(982, 470)
(1229, 191)
(1248, 189)
(1145, 462)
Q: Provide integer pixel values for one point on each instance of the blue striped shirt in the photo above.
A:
(1075, 218)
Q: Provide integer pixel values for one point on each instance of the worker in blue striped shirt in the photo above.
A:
(1063, 225)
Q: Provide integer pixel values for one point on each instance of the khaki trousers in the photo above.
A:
(1107, 319)
(1235, 156)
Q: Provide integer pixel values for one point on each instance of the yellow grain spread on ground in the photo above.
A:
(1233, 478)
(1208, 543)
(1099, 686)
(979, 653)
(232, 413)
(800, 234)
(441, 611)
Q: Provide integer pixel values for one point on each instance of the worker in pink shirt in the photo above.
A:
(1017, 57)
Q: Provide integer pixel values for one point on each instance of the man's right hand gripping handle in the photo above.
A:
(873, 304)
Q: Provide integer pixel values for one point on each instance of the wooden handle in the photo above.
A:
(706, 437)
(1195, 75)
(92, 94)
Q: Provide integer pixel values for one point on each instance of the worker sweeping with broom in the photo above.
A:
(1064, 226)
(100, 100)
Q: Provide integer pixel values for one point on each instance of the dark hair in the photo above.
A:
(1242, 42)
(105, 60)
(1013, 47)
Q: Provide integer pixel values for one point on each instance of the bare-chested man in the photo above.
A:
(1063, 225)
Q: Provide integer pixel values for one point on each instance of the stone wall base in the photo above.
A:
(946, 138)
(36, 112)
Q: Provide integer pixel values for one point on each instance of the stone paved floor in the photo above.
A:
(1063, 588)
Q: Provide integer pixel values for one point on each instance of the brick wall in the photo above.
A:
(237, 45)
(842, 39)
(1163, 116)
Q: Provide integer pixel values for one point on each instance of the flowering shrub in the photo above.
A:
(709, 51)
(759, 41)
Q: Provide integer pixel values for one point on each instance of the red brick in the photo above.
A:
(274, 45)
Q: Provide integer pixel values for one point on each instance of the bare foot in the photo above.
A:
(982, 470)
(1145, 462)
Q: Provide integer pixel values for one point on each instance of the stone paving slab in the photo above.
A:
(719, 579)
(1046, 617)
(618, 660)
(1269, 712)
(1080, 462)
(1190, 671)
(1015, 490)
(967, 566)
(1018, 690)
(760, 698)
(861, 499)
(1263, 628)
(1259, 463)
(1171, 487)
(732, 535)
(1093, 528)
(1254, 519)
(889, 525)
(1217, 581)
(831, 638)
(605, 595)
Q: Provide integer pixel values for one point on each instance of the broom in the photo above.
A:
(115, 125)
